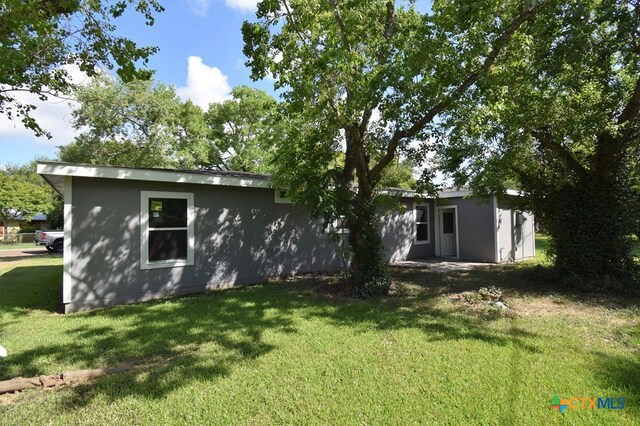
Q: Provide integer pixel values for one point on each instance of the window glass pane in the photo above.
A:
(447, 223)
(341, 223)
(422, 232)
(421, 214)
(167, 245)
(167, 213)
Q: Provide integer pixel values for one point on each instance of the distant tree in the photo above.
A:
(20, 199)
(561, 118)
(40, 39)
(138, 124)
(339, 64)
(25, 172)
(53, 203)
(242, 131)
(398, 174)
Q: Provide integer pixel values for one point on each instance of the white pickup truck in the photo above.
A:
(51, 240)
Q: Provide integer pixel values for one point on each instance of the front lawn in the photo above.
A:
(19, 246)
(300, 352)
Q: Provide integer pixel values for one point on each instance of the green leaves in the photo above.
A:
(142, 123)
(558, 118)
(243, 131)
(40, 40)
(20, 198)
(368, 79)
(138, 124)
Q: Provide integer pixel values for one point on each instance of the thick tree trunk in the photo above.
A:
(368, 273)
(590, 225)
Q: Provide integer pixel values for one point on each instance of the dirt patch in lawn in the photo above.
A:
(612, 311)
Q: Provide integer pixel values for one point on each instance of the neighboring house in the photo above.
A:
(39, 220)
(14, 225)
(133, 234)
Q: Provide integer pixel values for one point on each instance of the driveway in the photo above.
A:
(26, 252)
(439, 265)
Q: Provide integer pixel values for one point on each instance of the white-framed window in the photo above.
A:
(166, 229)
(280, 197)
(421, 224)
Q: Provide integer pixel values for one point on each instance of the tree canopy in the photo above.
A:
(139, 123)
(560, 118)
(20, 198)
(143, 123)
(41, 39)
(242, 131)
(26, 180)
(342, 64)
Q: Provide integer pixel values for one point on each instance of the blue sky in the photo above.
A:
(200, 54)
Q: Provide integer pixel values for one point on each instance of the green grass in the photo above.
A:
(300, 352)
(635, 251)
(18, 246)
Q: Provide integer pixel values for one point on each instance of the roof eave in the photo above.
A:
(54, 173)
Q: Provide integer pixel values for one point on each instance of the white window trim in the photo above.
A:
(337, 230)
(67, 254)
(279, 199)
(145, 263)
(415, 224)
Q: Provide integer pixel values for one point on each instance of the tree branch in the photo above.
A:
(632, 108)
(292, 20)
(549, 144)
(340, 22)
(471, 79)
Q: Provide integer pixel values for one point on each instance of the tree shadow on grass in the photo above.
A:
(204, 337)
(31, 287)
(513, 279)
(623, 375)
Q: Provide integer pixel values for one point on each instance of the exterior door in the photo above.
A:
(448, 233)
(518, 243)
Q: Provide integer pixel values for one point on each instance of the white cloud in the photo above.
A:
(242, 5)
(53, 116)
(205, 84)
(199, 7)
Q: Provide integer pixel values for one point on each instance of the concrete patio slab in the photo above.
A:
(439, 265)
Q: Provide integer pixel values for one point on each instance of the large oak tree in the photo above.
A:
(560, 118)
(368, 78)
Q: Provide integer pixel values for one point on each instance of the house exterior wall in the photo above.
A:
(398, 233)
(13, 227)
(515, 242)
(476, 233)
(241, 236)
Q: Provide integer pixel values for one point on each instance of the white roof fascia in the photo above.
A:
(468, 193)
(515, 193)
(399, 192)
(454, 194)
(75, 170)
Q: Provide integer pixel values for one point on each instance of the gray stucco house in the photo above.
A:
(133, 234)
